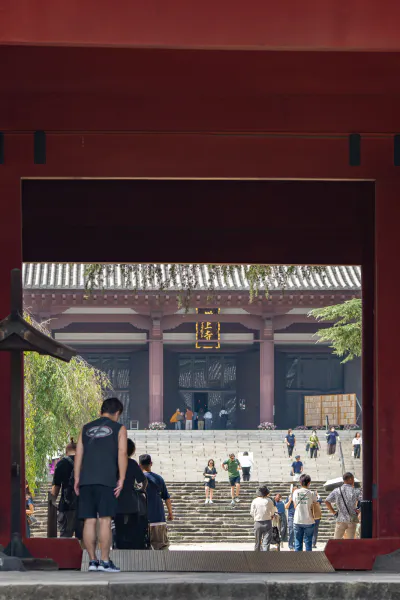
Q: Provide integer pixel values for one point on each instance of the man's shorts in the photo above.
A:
(96, 501)
(159, 536)
(234, 480)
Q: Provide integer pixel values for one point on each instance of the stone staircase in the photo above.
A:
(195, 522)
(182, 455)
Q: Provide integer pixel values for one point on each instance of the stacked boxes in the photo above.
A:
(340, 409)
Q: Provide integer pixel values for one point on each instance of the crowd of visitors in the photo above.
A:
(304, 514)
(199, 420)
(106, 497)
(313, 444)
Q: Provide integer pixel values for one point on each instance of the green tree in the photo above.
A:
(345, 335)
(59, 398)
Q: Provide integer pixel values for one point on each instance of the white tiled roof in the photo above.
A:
(57, 276)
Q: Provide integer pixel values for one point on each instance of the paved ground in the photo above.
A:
(224, 546)
(197, 586)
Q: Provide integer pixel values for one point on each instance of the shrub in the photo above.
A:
(267, 426)
(157, 425)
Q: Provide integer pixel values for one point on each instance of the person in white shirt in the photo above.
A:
(223, 417)
(208, 420)
(246, 464)
(304, 521)
(262, 510)
(357, 443)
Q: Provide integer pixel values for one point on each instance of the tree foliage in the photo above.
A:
(59, 398)
(184, 278)
(345, 335)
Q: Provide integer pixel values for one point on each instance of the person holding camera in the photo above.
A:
(346, 499)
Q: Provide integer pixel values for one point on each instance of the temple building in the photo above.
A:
(258, 360)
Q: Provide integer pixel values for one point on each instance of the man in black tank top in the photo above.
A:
(100, 466)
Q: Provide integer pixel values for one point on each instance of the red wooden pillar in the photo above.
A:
(156, 367)
(387, 360)
(11, 258)
(267, 367)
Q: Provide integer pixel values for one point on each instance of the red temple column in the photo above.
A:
(11, 258)
(386, 487)
(267, 372)
(156, 367)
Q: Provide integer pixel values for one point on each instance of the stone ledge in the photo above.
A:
(212, 586)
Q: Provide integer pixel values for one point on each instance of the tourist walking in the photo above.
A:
(177, 419)
(67, 519)
(314, 444)
(200, 419)
(346, 499)
(208, 420)
(289, 505)
(128, 534)
(304, 521)
(331, 438)
(247, 464)
(100, 466)
(156, 493)
(210, 474)
(280, 506)
(223, 416)
(317, 517)
(189, 419)
(262, 510)
(290, 442)
(357, 443)
(195, 422)
(297, 468)
(232, 465)
(29, 510)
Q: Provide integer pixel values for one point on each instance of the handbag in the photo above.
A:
(316, 511)
(353, 518)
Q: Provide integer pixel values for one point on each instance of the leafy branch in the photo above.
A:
(59, 398)
(185, 278)
(345, 335)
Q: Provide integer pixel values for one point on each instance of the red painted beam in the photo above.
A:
(308, 25)
(184, 91)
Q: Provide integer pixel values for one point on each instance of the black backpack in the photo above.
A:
(70, 499)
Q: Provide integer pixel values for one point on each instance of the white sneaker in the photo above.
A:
(237, 499)
(206, 502)
(210, 502)
(233, 503)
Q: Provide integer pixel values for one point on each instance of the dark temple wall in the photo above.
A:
(248, 388)
(139, 404)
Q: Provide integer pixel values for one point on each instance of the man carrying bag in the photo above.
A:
(346, 498)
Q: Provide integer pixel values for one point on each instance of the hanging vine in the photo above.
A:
(185, 279)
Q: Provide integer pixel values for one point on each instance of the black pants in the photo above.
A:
(290, 450)
(130, 532)
(246, 473)
(313, 452)
(357, 451)
(70, 524)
